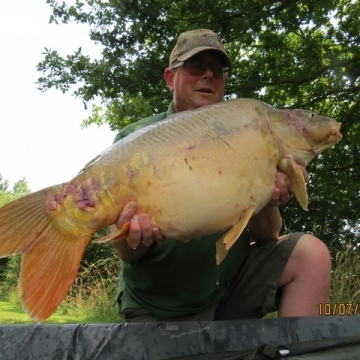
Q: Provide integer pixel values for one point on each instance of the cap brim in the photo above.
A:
(191, 53)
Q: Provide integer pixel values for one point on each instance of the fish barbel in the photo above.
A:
(195, 173)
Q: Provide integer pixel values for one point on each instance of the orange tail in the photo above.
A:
(51, 252)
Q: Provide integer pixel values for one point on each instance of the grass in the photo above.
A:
(12, 313)
(90, 300)
(345, 280)
(72, 311)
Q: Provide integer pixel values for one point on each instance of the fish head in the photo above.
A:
(303, 134)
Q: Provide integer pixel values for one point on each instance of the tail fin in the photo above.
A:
(51, 254)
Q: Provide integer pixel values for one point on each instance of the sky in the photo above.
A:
(41, 138)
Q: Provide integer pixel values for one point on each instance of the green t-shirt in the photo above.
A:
(176, 279)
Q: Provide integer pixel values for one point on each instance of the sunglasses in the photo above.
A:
(198, 68)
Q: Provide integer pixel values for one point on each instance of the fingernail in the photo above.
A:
(132, 205)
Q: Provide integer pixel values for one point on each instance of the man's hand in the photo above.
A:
(141, 229)
(283, 191)
(266, 224)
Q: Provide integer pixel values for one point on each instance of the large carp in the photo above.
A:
(195, 173)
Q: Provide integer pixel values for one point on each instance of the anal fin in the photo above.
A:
(224, 244)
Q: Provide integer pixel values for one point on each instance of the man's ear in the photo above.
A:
(169, 75)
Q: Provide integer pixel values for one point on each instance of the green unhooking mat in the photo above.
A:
(333, 337)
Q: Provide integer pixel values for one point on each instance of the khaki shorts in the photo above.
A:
(253, 293)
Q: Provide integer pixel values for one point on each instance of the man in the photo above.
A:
(172, 280)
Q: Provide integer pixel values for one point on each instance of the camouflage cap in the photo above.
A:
(191, 42)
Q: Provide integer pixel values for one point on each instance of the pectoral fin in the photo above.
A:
(114, 235)
(224, 244)
(290, 168)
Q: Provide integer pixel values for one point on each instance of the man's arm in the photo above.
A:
(265, 225)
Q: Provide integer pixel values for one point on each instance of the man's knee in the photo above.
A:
(310, 257)
(311, 250)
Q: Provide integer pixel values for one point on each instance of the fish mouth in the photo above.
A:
(334, 136)
(336, 132)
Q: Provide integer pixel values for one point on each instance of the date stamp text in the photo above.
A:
(341, 309)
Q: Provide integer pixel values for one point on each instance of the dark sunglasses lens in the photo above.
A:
(198, 69)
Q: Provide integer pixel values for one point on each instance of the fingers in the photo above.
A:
(127, 214)
(283, 183)
(275, 199)
(134, 237)
(141, 230)
(147, 237)
(158, 236)
(283, 191)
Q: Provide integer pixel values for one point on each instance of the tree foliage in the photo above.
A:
(19, 189)
(289, 53)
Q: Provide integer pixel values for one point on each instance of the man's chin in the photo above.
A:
(203, 101)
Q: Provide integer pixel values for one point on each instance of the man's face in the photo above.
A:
(192, 91)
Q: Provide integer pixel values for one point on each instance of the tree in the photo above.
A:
(3, 184)
(289, 53)
(19, 189)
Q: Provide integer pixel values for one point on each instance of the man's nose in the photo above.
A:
(208, 72)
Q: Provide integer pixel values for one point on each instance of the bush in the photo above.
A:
(10, 277)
